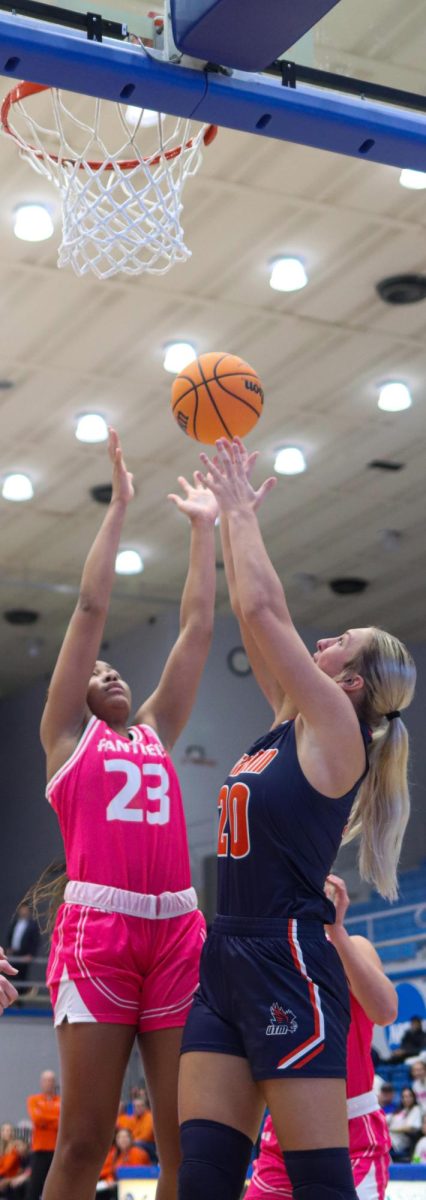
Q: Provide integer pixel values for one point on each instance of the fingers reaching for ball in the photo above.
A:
(227, 475)
(198, 502)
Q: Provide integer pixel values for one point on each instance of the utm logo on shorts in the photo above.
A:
(283, 1021)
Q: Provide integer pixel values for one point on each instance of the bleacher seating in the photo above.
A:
(401, 925)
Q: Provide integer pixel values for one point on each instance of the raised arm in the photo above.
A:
(170, 705)
(65, 711)
(325, 710)
(364, 972)
(267, 681)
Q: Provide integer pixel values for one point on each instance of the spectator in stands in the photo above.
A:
(386, 1098)
(14, 1187)
(413, 1042)
(123, 1153)
(43, 1109)
(142, 1126)
(14, 1164)
(420, 1146)
(9, 1158)
(8, 993)
(418, 1075)
(404, 1126)
(129, 1155)
(23, 938)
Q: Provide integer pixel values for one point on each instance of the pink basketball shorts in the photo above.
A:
(370, 1178)
(116, 968)
(369, 1151)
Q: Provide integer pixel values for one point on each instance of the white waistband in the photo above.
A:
(131, 904)
(359, 1106)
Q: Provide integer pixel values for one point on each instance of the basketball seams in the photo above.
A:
(192, 388)
(213, 403)
(227, 375)
(241, 399)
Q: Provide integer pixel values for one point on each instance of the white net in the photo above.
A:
(122, 206)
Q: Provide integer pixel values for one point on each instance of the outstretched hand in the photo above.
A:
(228, 477)
(122, 480)
(198, 502)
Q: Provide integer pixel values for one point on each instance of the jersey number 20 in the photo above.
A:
(233, 805)
(156, 794)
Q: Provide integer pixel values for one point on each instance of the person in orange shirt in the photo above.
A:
(123, 1153)
(43, 1109)
(9, 1158)
(128, 1154)
(139, 1122)
(13, 1186)
(142, 1126)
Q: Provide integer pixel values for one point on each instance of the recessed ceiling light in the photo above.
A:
(416, 180)
(177, 356)
(34, 646)
(17, 487)
(146, 116)
(32, 223)
(394, 397)
(128, 562)
(289, 461)
(91, 427)
(288, 275)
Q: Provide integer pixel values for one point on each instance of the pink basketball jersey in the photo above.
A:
(120, 811)
(360, 1073)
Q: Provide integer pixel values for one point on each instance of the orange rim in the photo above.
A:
(24, 90)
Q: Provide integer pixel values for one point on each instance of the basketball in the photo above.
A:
(218, 395)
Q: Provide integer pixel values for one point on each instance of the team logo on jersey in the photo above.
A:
(283, 1021)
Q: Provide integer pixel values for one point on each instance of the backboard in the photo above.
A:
(355, 84)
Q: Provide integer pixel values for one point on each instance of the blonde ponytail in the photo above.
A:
(382, 806)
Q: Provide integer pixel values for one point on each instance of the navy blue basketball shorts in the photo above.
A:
(272, 991)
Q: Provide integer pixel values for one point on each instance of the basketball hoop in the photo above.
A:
(121, 208)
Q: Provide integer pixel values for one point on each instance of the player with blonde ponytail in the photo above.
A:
(382, 806)
(269, 1022)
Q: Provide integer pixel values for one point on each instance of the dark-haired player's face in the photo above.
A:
(108, 696)
(333, 653)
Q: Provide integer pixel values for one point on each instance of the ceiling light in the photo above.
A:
(288, 275)
(394, 397)
(34, 647)
(17, 487)
(128, 562)
(416, 180)
(146, 116)
(32, 223)
(91, 427)
(290, 461)
(177, 356)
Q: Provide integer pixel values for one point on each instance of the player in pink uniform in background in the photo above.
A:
(373, 1001)
(127, 940)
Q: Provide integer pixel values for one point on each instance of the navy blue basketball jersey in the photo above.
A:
(278, 837)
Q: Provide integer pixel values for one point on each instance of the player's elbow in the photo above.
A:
(388, 1010)
(90, 605)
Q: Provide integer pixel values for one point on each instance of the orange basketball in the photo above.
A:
(218, 395)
